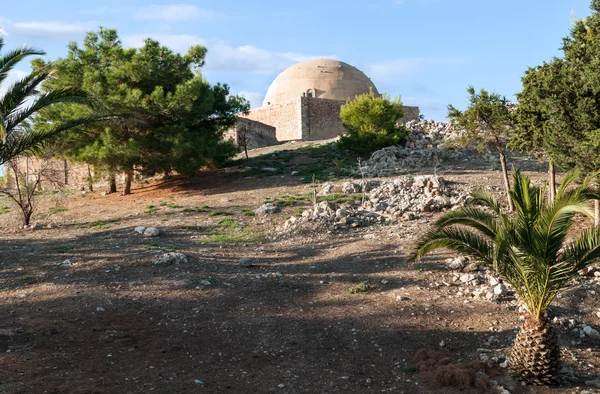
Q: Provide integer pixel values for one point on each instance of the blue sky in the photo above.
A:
(427, 51)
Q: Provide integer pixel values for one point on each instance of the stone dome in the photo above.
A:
(320, 78)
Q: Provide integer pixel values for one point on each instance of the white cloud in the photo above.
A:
(49, 27)
(176, 12)
(407, 66)
(223, 57)
(254, 98)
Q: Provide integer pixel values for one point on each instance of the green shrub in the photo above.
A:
(371, 123)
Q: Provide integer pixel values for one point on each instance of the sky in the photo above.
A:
(426, 51)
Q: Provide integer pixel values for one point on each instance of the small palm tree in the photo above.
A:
(22, 100)
(530, 251)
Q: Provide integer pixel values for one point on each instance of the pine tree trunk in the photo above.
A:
(511, 205)
(113, 184)
(90, 179)
(535, 356)
(128, 180)
(551, 181)
(597, 212)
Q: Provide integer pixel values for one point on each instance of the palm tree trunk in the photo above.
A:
(511, 205)
(551, 181)
(128, 180)
(597, 212)
(535, 356)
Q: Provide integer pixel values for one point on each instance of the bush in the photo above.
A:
(371, 123)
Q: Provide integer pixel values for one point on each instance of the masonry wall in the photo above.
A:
(257, 134)
(321, 119)
(61, 174)
(285, 117)
(410, 113)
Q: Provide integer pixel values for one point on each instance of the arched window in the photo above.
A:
(310, 93)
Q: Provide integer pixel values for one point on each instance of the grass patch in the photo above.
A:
(151, 209)
(298, 211)
(341, 198)
(248, 212)
(4, 209)
(56, 210)
(174, 206)
(230, 231)
(361, 287)
(220, 213)
(101, 224)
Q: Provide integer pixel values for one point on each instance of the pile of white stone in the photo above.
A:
(475, 281)
(402, 199)
(428, 144)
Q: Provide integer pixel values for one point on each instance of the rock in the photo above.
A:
(458, 263)
(593, 383)
(36, 226)
(99, 309)
(269, 169)
(66, 263)
(294, 173)
(472, 267)
(466, 278)
(341, 213)
(494, 281)
(500, 290)
(590, 332)
(267, 209)
(247, 262)
(171, 258)
(327, 188)
(151, 232)
(140, 229)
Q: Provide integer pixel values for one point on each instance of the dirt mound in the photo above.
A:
(438, 370)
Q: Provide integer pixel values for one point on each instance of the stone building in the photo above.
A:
(303, 103)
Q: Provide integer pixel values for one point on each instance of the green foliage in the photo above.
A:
(57, 210)
(101, 224)
(361, 287)
(219, 213)
(4, 209)
(488, 121)
(248, 212)
(175, 117)
(371, 123)
(63, 248)
(151, 209)
(16, 133)
(531, 250)
(155, 246)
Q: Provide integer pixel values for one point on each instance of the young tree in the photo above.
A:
(25, 181)
(179, 117)
(532, 252)
(488, 123)
(371, 123)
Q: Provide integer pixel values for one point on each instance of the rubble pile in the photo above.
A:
(402, 199)
(426, 145)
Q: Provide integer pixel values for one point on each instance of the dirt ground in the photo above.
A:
(114, 322)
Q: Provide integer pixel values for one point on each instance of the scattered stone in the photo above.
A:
(171, 258)
(140, 229)
(35, 226)
(458, 263)
(590, 332)
(327, 188)
(99, 309)
(267, 209)
(294, 173)
(472, 267)
(151, 232)
(66, 263)
(500, 290)
(247, 262)
(269, 169)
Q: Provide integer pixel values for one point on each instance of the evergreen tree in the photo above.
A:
(176, 117)
(488, 123)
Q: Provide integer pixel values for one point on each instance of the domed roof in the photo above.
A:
(320, 78)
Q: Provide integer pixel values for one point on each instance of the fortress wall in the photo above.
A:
(321, 118)
(285, 117)
(257, 134)
(410, 113)
(63, 174)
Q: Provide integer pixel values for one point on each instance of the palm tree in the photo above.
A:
(529, 250)
(23, 99)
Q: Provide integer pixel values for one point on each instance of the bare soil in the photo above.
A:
(114, 322)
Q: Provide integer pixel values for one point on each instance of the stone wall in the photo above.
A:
(60, 174)
(410, 114)
(321, 119)
(285, 117)
(257, 134)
